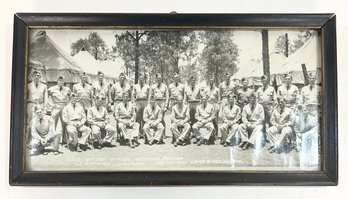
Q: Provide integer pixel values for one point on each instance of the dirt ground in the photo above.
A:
(167, 157)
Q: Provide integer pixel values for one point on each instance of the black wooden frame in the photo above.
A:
(325, 23)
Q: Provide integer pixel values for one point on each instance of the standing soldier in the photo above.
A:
(225, 88)
(289, 92)
(180, 120)
(60, 96)
(310, 95)
(84, 92)
(98, 118)
(231, 115)
(244, 93)
(205, 115)
(153, 115)
(141, 98)
(74, 117)
(192, 96)
(266, 96)
(282, 121)
(125, 116)
(252, 117)
(101, 88)
(118, 89)
(43, 133)
(176, 90)
(37, 96)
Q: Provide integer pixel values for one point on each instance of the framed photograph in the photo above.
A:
(174, 99)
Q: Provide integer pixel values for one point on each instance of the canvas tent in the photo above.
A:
(56, 62)
(309, 55)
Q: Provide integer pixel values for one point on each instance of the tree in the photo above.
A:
(294, 45)
(265, 53)
(219, 55)
(94, 44)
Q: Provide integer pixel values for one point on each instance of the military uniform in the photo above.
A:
(282, 121)
(141, 99)
(73, 115)
(252, 118)
(192, 96)
(117, 91)
(99, 120)
(153, 115)
(101, 89)
(60, 96)
(243, 96)
(310, 97)
(206, 113)
(83, 94)
(231, 114)
(225, 89)
(43, 128)
(175, 90)
(126, 119)
(180, 119)
(290, 95)
(37, 96)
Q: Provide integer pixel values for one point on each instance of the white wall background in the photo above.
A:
(9, 7)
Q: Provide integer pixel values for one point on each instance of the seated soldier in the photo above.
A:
(282, 121)
(231, 114)
(98, 118)
(252, 117)
(43, 133)
(154, 129)
(125, 116)
(180, 119)
(74, 117)
(205, 114)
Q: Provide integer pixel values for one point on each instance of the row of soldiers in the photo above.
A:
(247, 117)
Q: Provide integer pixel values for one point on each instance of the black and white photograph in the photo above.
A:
(173, 100)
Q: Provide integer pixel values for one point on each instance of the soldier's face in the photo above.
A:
(211, 81)
(204, 101)
(84, 79)
(36, 77)
(311, 80)
(60, 82)
(245, 84)
(281, 103)
(125, 98)
(153, 102)
(228, 76)
(141, 80)
(101, 77)
(192, 81)
(176, 79)
(159, 79)
(288, 80)
(73, 99)
(98, 102)
(252, 99)
(264, 81)
(231, 100)
(39, 113)
(122, 78)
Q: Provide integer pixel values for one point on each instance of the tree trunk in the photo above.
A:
(96, 53)
(286, 45)
(136, 67)
(265, 53)
(216, 74)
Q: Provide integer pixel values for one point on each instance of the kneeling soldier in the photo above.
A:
(282, 121)
(205, 114)
(153, 127)
(231, 114)
(180, 119)
(74, 117)
(125, 115)
(98, 118)
(43, 133)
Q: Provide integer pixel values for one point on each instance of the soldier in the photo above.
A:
(267, 97)
(154, 129)
(43, 133)
(212, 93)
(289, 92)
(98, 118)
(74, 117)
(176, 90)
(37, 96)
(243, 93)
(118, 89)
(84, 92)
(125, 116)
(180, 120)
(60, 96)
(282, 121)
(101, 88)
(310, 95)
(192, 96)
(141, 98)
(231, 115)
(161, 93)
(225, 88)
(252, 117)
(205, 115)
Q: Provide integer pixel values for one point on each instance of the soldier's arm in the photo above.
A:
(262, 116)
(238, 116)
(134, 114)
(197, 114)
(145, 115)
(83, 115)
(33, 131)
(187, 115)
(244, 116)
(211, 115)
(65, 116)
(90, 119)
(167, 97)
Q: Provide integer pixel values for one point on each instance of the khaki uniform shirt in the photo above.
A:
(256, 115)
(84, 94)
(180, 114)
(206, 113)
(290, 94)
(71, 114)
(231, 114)
(59, 95)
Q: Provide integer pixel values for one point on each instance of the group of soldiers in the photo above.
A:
(239, 115)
